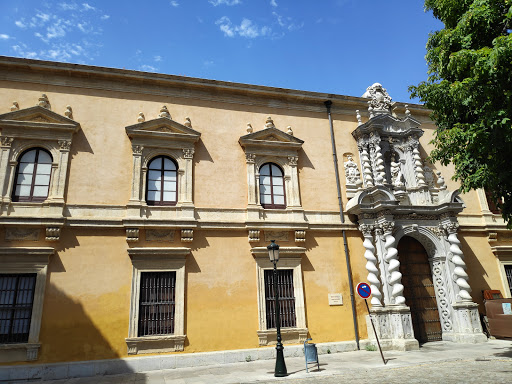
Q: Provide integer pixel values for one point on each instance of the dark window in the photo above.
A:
(272, 186)
(508, 273)
(286, 298)
(156, 303)
(33, 176)
(162, 181)
(16, 298)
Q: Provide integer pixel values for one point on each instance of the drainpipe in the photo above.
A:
(328, 104)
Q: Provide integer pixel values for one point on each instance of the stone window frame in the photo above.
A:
(35, 127)
(21, 260)
(289, 258)
(503, 255)
(168, 259)
(271, 145)
(162, 137)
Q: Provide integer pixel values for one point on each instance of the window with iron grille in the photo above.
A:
(508, 273)
(286, 298)
(157, 303)
(16, 299)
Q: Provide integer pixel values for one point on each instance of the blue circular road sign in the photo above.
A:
(364, 290)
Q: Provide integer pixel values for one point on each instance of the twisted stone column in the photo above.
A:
(391, 257)
(460, 276)
(380, 173)
(371, 264)
(418, 167)
(367, 167)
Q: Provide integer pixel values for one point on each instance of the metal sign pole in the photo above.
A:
(376, 337)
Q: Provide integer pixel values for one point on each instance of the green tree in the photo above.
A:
(469, 90)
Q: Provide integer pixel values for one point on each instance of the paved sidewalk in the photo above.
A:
(489, 362)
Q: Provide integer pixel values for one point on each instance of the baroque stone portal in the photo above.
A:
(398, 198)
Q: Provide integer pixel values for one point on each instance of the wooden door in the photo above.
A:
(419, 290)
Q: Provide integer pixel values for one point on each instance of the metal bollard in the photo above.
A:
(311, 354)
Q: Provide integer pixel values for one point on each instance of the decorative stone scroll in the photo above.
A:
(52, 233)
(300, 236)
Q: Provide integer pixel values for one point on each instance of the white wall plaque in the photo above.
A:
(335, 299)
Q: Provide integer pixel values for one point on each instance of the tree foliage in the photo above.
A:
(469, 90)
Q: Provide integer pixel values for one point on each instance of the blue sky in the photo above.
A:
(334, 46)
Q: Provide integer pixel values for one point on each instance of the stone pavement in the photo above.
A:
(435, 362)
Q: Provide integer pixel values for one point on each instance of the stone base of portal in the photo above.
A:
(393, 326)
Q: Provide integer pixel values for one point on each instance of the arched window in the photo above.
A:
(33, 172)
(272, 186)
(162, 181)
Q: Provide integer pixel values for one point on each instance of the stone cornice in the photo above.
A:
(122, 80)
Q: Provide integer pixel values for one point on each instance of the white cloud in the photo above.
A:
(224, 2)
(148, 68)
(44, 17)
(246, 28)
(3, 36)
(174, 3)
(88, 7)
(208, 63)
(287, 22)
(105, 17)
(68, 6)
(273, 3)
(20, 24)
(157, 58)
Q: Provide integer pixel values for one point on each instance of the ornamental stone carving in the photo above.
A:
(7, 141)
(380, 100)
(68, 112)
(15, 106)
(371, 264)
(137, 149)
(254, 235)
(52, 233)
(352, 176)
(44, 102)
(65, 145)
(164, 112)
(249, 158)
(132, 234)
(187, 235)
(188, 153)
(141, 118)
(300, 236)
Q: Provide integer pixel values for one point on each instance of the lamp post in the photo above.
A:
(280, 370)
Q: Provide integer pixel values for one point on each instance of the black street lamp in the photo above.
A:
(280, 370)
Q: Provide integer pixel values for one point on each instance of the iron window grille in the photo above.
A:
(162, 181)
(272, 193)
(286, 298)
(16, 300)
(33, 173)
(157, 303)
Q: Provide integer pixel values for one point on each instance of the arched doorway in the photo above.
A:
(419, 290)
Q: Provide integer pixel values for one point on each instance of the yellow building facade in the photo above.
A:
(113, 181)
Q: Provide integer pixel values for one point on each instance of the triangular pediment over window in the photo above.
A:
(35, 121)
(271, 138)
(162, 128)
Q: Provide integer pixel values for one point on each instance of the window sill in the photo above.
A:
(288, 335)
(155, 344)
(19, 352)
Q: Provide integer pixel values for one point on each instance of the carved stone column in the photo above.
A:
(294, 197)
(391, 257)
(366, 165)
(60, 173)
(379, 173)
(459, 272)
(188, 155)
(5, 149)
(136, 175)
(371, 265)
(251, 179)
